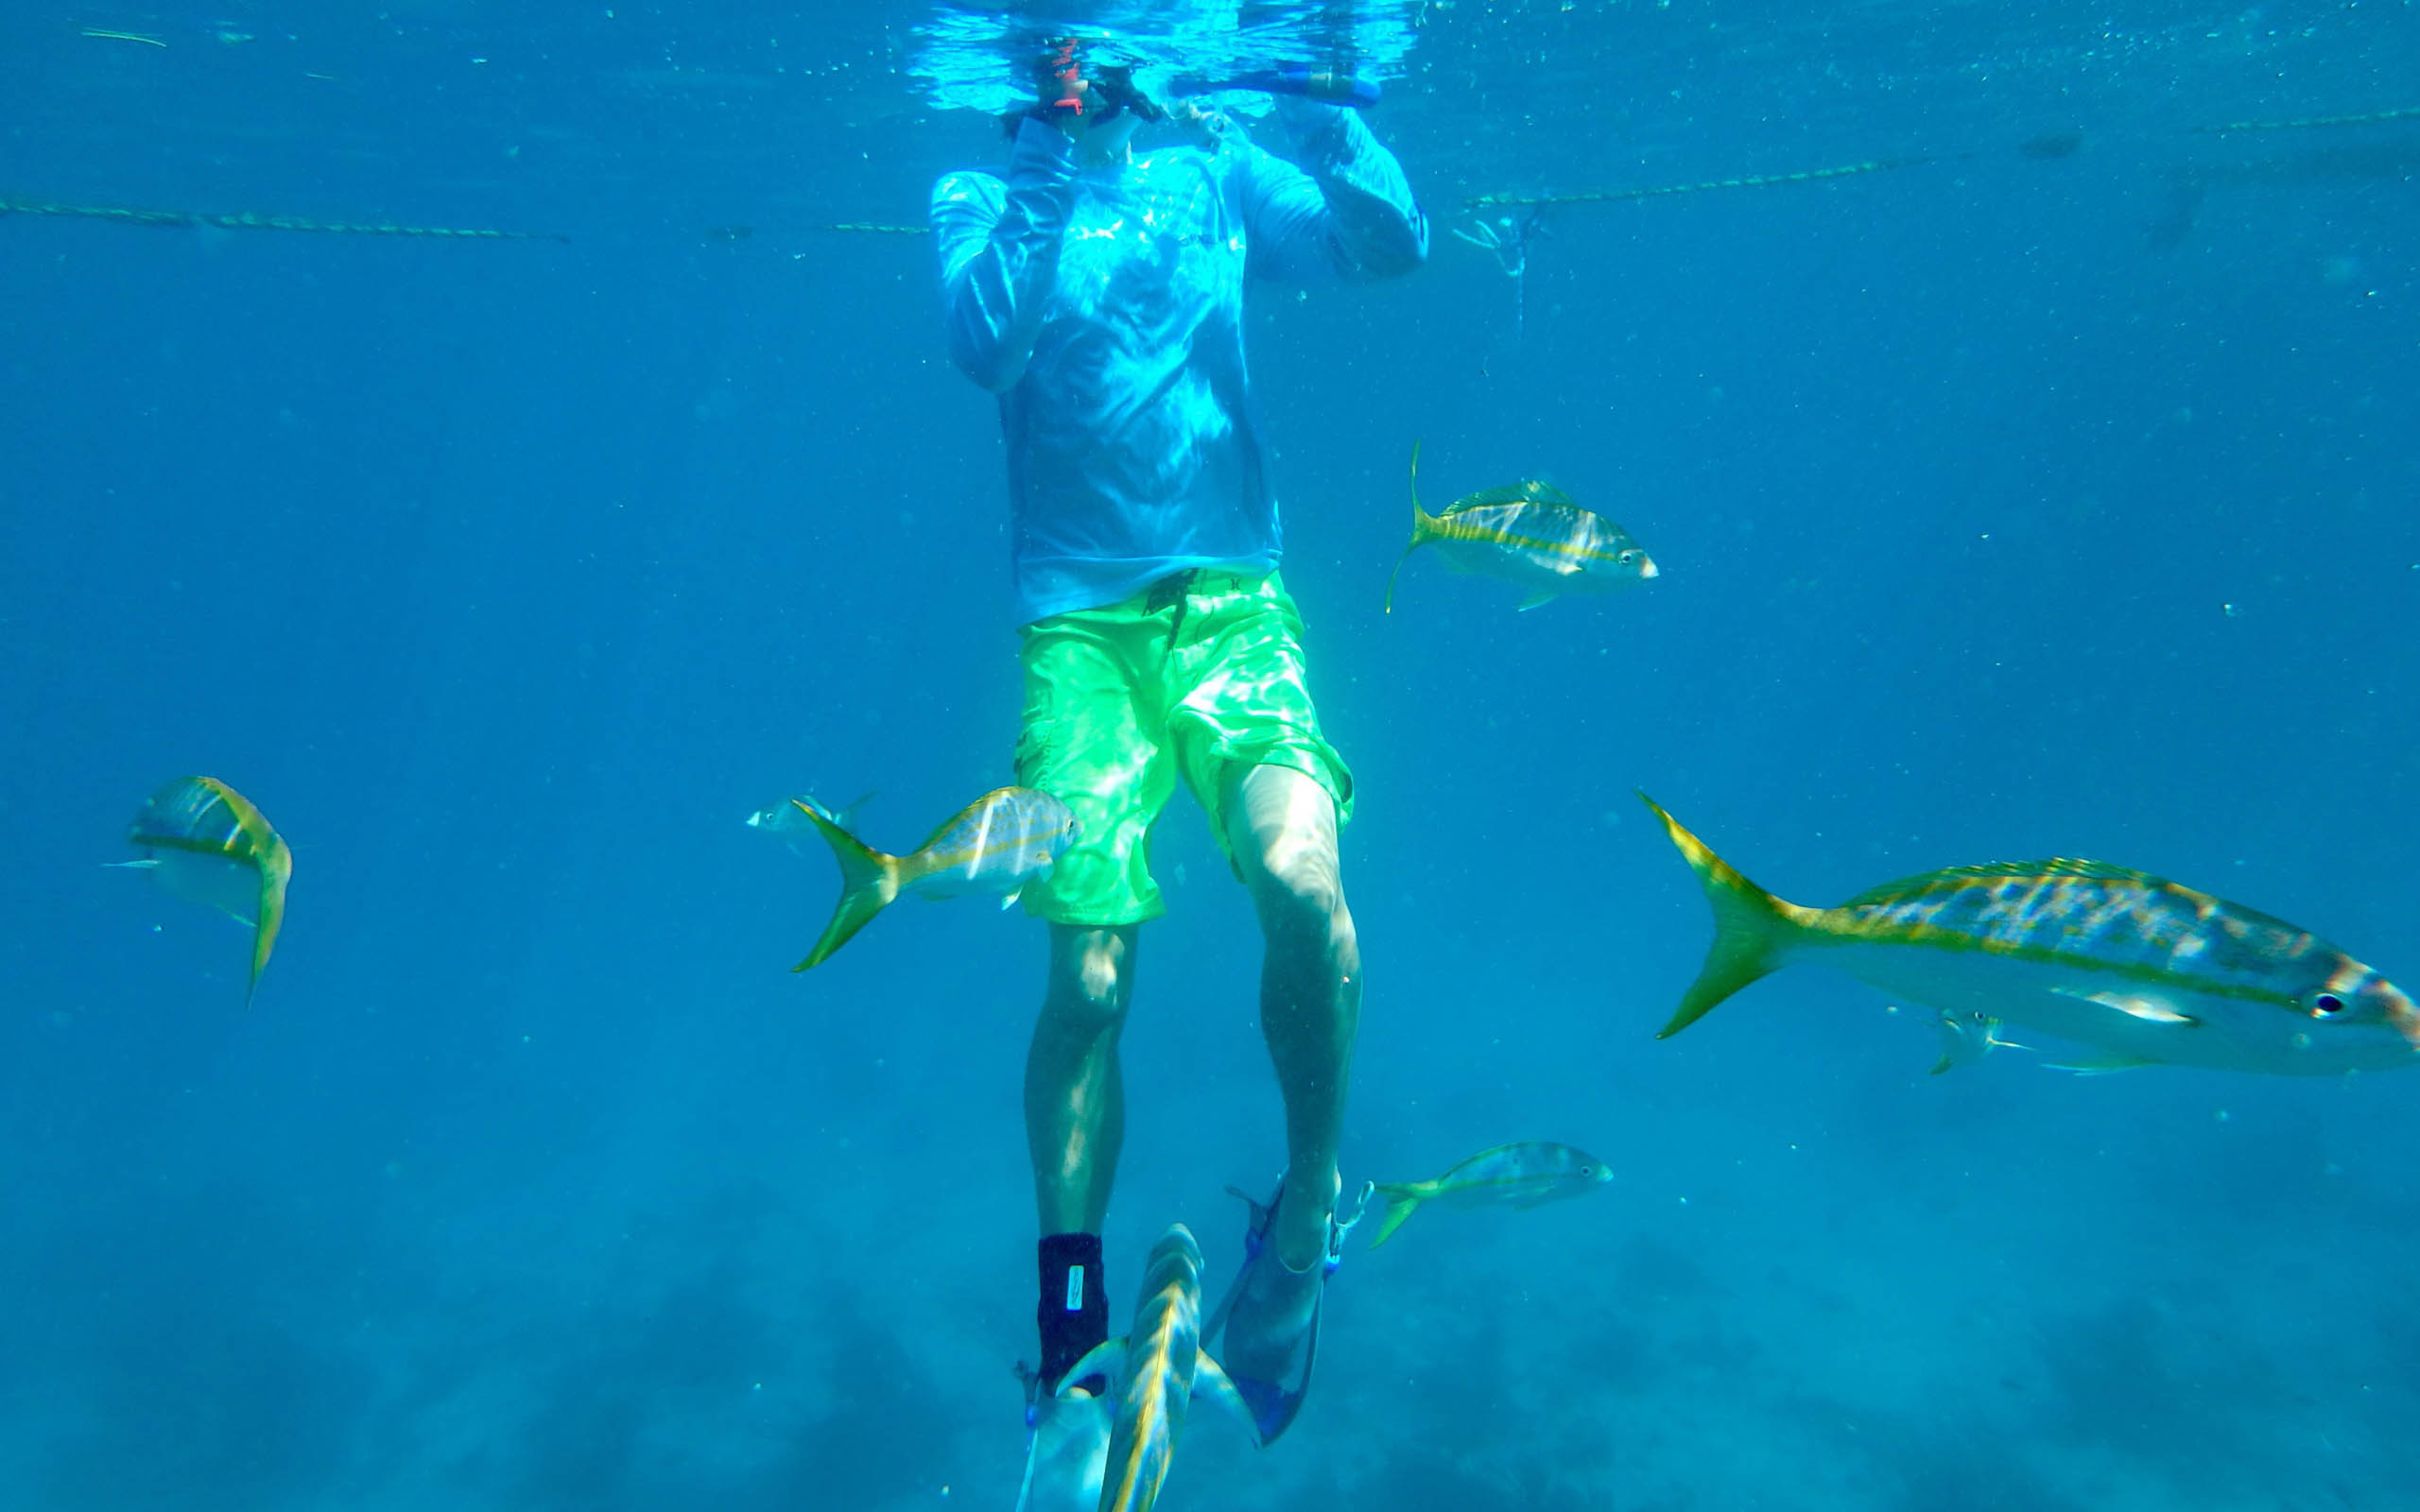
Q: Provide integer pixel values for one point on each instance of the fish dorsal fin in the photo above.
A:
(2001, 870)
(1532, 491)
(994, 797)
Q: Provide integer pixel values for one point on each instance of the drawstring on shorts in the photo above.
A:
(1176, 590)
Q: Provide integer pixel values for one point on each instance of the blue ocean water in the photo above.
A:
(2008, 504)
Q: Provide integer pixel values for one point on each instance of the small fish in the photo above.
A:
(205, 842)
(1966, 1038)
(1528, 534)
(788, 819)
(2143, 970)
(1153, 1373)
(998, 843)
(1509, 1176)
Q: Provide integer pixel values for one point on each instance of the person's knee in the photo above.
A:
(1302, 888)
(1091, 980)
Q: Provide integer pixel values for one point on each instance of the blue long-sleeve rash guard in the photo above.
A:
(1104, 305)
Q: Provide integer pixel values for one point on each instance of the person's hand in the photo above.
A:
(1207, 128)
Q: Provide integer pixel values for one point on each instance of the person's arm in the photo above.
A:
(1348, 212)
(999, 249)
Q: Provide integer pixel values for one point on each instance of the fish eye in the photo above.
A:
(1628, 557)
(2327, 1006)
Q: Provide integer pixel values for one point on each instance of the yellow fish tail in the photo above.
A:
(1750, 928)
(1403, 1198)
(869, 881)
(277, 868)
(1423, 527)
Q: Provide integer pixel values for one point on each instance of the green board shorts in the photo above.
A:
(1199, 675)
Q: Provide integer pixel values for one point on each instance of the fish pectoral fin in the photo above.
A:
(1944, 1063)
(1210, 1380)
(1105, 1359)
(1541, 596)
(147, 864)
(1009, 899)
(2149, 1009)
(2107, 1063)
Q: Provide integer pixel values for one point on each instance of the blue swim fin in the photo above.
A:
(1271, 1316)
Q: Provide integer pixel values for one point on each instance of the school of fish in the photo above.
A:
(2138, 970)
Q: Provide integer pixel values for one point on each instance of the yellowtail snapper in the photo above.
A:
(1528, 534)
(206, 843)
(998, 843)
(1509, 1176)
(1153, 1373)
(2143, 970)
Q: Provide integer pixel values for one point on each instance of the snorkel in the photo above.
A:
(1099, 104)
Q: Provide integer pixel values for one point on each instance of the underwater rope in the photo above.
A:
(2040, 148)
(2371, 117)
(2059, 146)
(1751, 180)
(248, 220)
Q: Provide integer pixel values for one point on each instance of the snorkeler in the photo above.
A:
(1098, 291)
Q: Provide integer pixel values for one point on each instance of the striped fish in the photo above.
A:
(2144, 970)
(1153, 1373)
(206, 843)
(1509, 1176)
(1528, 534)
(998, 843)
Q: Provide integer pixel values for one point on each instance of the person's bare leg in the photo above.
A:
(1075, 1119)
(1075, 1098)
(1281, 829)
